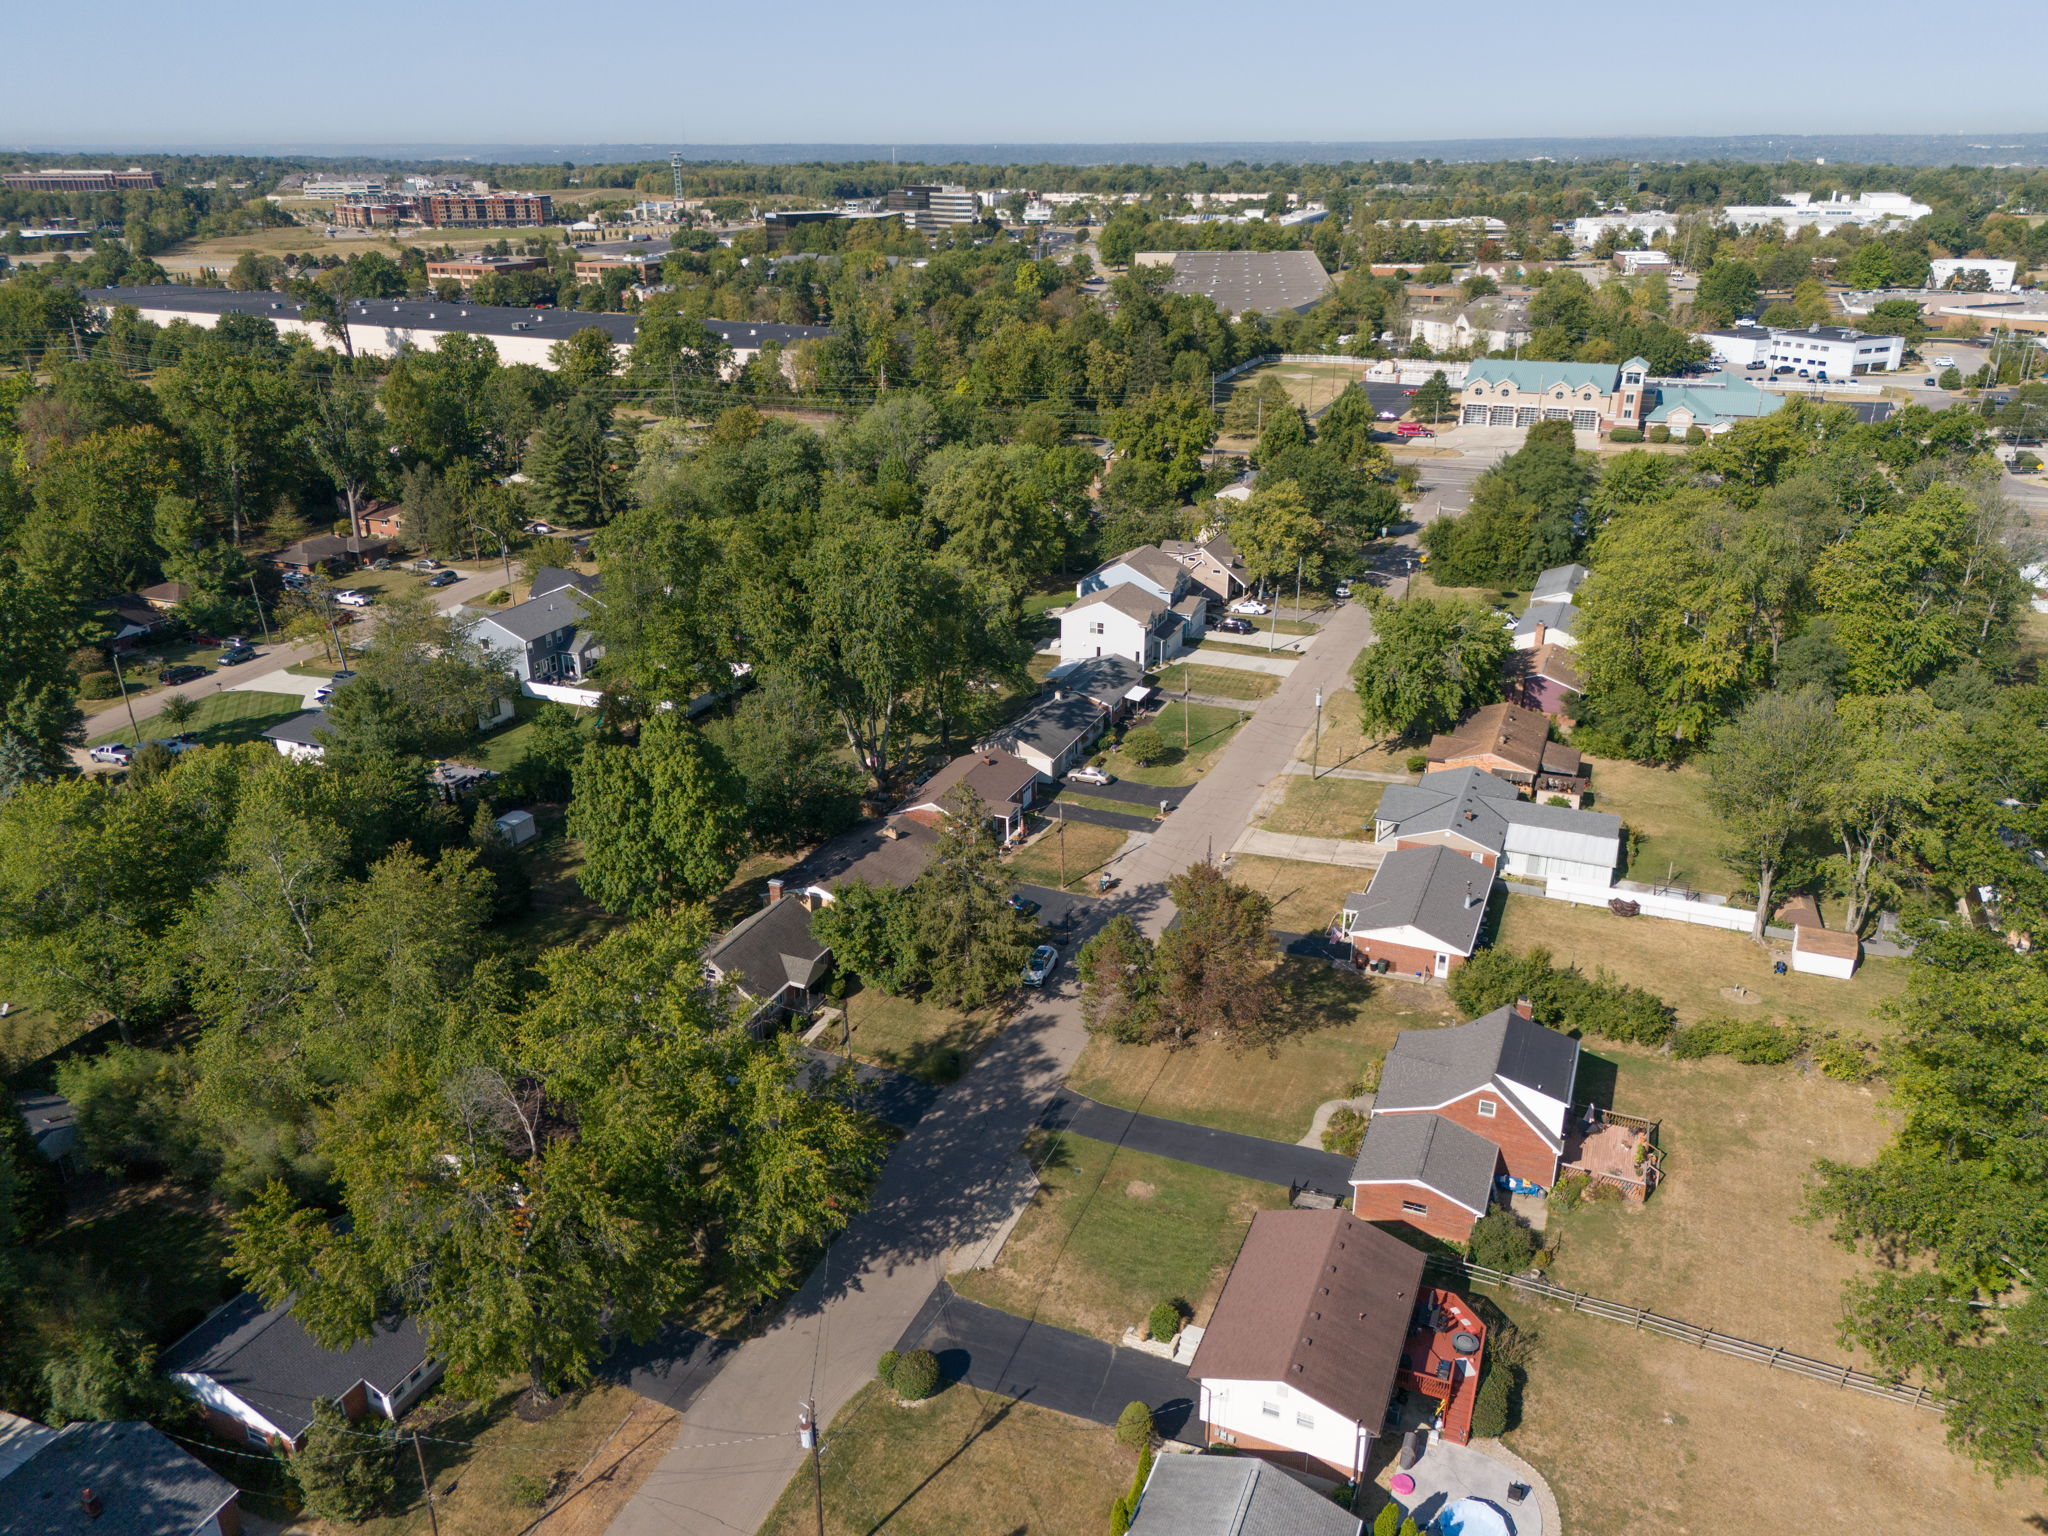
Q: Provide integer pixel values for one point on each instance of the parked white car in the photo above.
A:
(1250, 605)
(114, 752)
(349, 597)
(1088, 773)
(1040, 966)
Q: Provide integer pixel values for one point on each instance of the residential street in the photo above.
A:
(950, 1181)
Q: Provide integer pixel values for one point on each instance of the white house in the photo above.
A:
(1299, 1358)
(1546, 624)
(1488, 325)
(1559, 584)
(1148, 567)
(2003, 276)
(1129, 621)
(1485, 818)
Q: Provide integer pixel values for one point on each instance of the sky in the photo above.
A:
(229, 72)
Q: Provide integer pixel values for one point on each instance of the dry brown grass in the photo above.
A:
(960, 1462)
(1088, 848)
(1345, 743)
(1688, 966)
(1677, 839)
(1333, 1025)
(1305, 896)
(1326, 808)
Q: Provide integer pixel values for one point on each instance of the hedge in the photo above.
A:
(1625, 435)
(1563, 997)
(1751, 1041)
(1496, 1396)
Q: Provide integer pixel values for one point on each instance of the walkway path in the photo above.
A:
(1371, 775)
(1248, 1157)
(1309, 850)
(1273, 666)
(994, 1351)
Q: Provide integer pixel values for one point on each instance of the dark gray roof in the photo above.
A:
(306, 730)
(1053, 726)
(771, 950)
(439, 315)
(1149, 561)
(1477, 805)
(1237, 282)
(1105, 679)
(891, 853)
(1560, 617)
(1430, 1150)
(1428, 1067)
(1234, 1496)
(1426, 888)
(146, 1484)
(52, 1122)
(266, 1359)
(552, 578)
(538, 616)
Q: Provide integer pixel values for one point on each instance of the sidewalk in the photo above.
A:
(1309, 850)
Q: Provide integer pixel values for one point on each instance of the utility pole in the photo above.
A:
(426, 1488)
(1187, 729)
(1062, 836)
(1315, 762)
(807, 1436)
(256, 597)
(115, 657)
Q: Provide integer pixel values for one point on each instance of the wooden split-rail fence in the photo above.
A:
(1772, 1356)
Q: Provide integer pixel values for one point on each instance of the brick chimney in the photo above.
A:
(1525, 1007)
(90, 1503)
(774, 892)
(1541, 630)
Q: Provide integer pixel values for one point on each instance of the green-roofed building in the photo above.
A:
(1713, 403)
(1516, 392)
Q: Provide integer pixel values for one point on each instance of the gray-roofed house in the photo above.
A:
(1300, 1356)
(1559, 584)
(1426, 1171)
(1486, 818)
(256, 1372)
(1148, 566)
(327, 551)
(302, 738)
(891, 852)
(52, 1123)
(1054, 736)
(544, 639)
(772, 960)
(1422, 913)
(1233, 1496)
(114, 1479)
(1113, 682)
(1502, 1076)
(1547, 624)
(1125, 620)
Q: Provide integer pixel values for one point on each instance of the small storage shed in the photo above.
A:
(1824, 952)
(517, 827)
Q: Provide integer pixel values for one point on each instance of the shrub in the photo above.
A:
(1695, 434)
(2025, 462)
(526, 1490)
(1568, 1191)
(342, 1473)
(1417, 763)
(916, 1376)
(1625, 435)
(885, 1368)
(1388, 1521)
(1845, 1060)
(99, 685)
(1660, 433)
(1144, 744)
(1564, 997)
(1165, 1320)
(1500, 1241)
(1134, 1426)
(1496, 1395)
(1120, 1515)
(1345, 1132)
(1369, 1076)
(1753, 1042)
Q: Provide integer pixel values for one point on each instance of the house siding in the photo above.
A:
(1279, 1455)
(1527, 1155)
(1446, 1218)
(1405, 958)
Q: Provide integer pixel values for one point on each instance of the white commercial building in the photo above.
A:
(1831, 350)
(1634, 262)
(1587, 231)
(2003, 275)
(1800, 211)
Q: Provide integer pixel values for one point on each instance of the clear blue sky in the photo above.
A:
(628, 71)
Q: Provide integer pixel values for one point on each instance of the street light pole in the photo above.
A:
(115, 657)
(256, 597)
(807, 1436)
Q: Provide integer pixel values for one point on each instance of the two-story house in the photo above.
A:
(1593, 397)
(545, 639)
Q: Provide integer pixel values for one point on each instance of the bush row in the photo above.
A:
(1563, 997)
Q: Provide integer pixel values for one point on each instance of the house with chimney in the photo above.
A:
(1083, 700)
(108, 1479)
(1513, 743)
(1421, 915)
(1146, 606)
(1006, 785)
(773, 964)
(1485, 818)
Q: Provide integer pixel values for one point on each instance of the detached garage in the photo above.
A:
(1824, 952)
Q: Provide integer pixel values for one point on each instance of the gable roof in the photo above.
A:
(1108, 680)
(263, 1356)
(1565, 579)
(1432, 1151)
(552, 578)
(887, 853)
(1430, 1067)
(771, 949)
(1558, 618)
(1555, 663)
(1054, 726)
(1717, 398)
(999, 778)
(1128, 599)
(1436, 890)
(1233, 1496)
(1150, 562)
(1519, 737)
(326, 546)
(1490, 812)
(1537, 377)
(306, 729)
(1321, 1301)
(537, 616)
(146, 1485)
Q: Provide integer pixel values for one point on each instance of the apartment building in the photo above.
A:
(931, 208)
(486, 210)
(132, 179)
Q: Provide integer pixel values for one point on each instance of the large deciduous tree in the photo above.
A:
(1213, 966)
(1769, 774)
(661, 821)
(1432, 662)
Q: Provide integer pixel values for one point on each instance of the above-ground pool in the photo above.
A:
(1471, 1517)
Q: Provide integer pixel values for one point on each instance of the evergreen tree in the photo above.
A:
(1117, 981)
(1214, 964)
(975, 943)
(1433, 400)
(345, 1471)
(578, 463)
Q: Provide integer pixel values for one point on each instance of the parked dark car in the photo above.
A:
(236, 655)
(444, 578)
(176, 675)
(1234, 627)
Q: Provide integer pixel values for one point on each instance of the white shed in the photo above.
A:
(1824, 952)
(517, 827)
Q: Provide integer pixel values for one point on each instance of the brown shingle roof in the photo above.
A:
(1130, 600)
(999, 778)
(1515, 735)
(1321, 1301)
(1835, 945)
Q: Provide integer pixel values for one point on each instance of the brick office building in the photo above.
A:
(486, 210)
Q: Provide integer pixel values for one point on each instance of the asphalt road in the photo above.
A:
(1248, 1157)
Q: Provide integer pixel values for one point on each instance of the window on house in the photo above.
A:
(1304, 1420)
(1270, 1410)
(255, 1436)
(1415, 1207)
(1487, 1108)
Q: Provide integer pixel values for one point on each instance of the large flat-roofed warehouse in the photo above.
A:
(1242, 282)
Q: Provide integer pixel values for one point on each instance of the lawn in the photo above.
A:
(1205, 729)
(1088, 848)
(1326, 808)
(1345, 743)
(28, 1035)
(1511, 598)
(1638, 1433)
(1675, 837)
(959, 1462)
(503, 747)
(1111, 1233)
(1305, 896)
(1222, 682)
(231, 715)
(1689, 966)
(160, 1247)
(915, 1035)
(1333, 1025)
(560, 913)
(1312, 386)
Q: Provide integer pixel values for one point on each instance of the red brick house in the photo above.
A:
(1503, 1077)
(1425, 1171)
(1513, 743)
(1422, 913)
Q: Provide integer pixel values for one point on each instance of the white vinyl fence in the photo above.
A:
(562, 693)
(1681, 909)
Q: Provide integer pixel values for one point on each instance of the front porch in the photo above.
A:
(1612, 1151)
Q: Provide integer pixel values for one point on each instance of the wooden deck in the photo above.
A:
(1432, 1365)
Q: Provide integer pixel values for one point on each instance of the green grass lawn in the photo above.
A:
(1205, 727)
(1112, 1233)
(1242, 645)
(1332, 1025)
(502, 747)
(1100, 803)
(960, 1462)
(228, 716)
(1690, 967)
(1326, 808)
(1088, 848)
(1223, 682)
(1676, 838)
(916, 1035)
